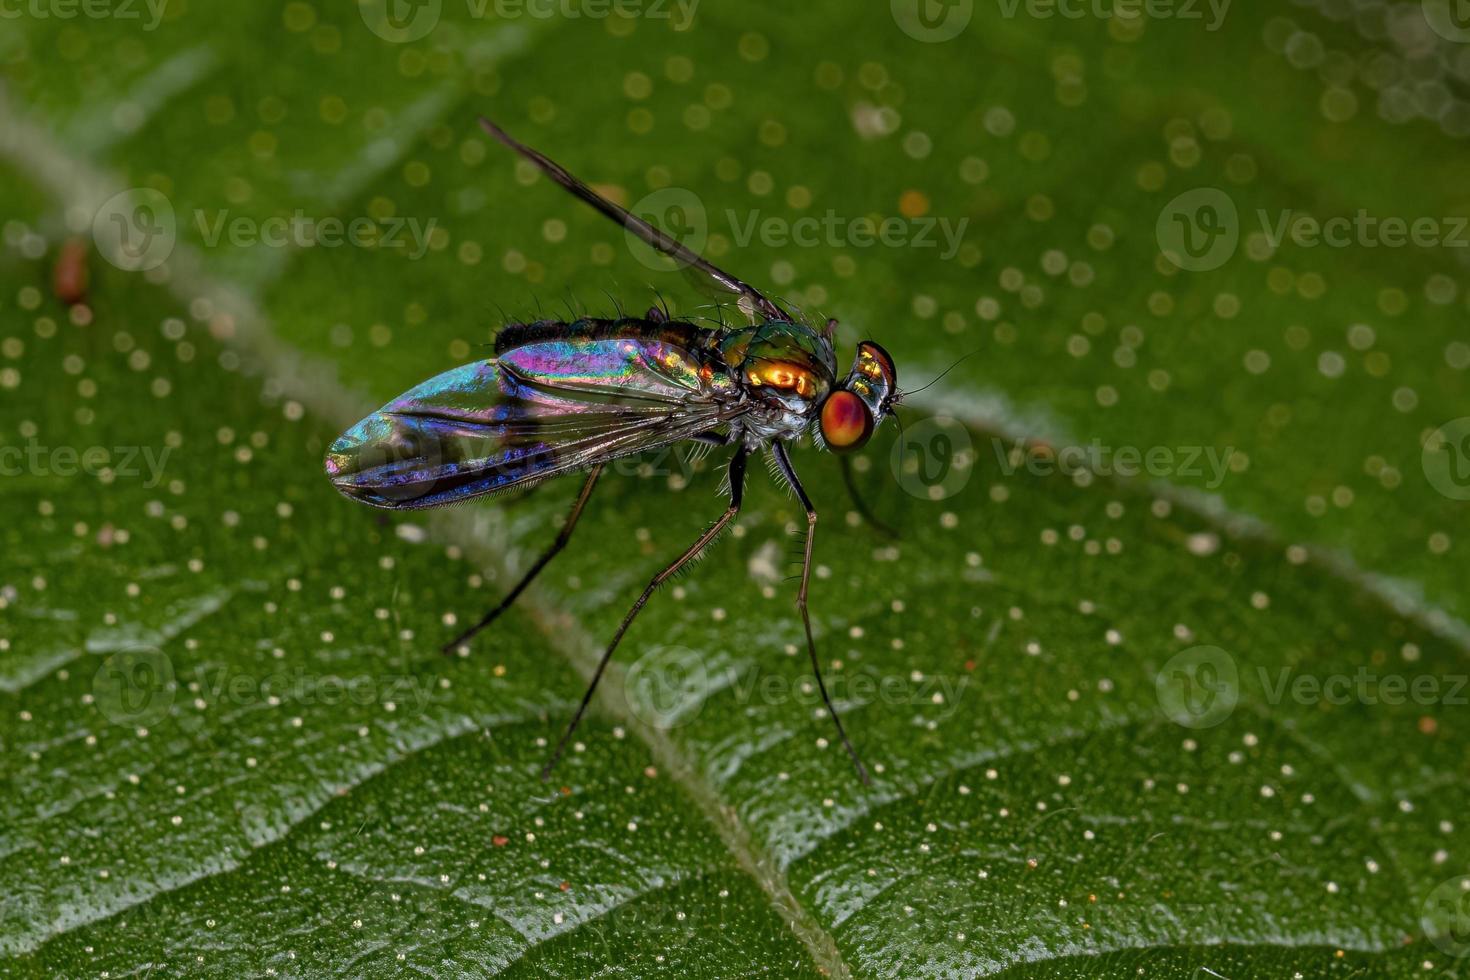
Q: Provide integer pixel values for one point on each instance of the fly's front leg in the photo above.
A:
(778, 451)
(857, 501)
(561, 542)
(737, 488)
(712, 438)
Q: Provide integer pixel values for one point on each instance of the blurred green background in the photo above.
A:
(232, 749)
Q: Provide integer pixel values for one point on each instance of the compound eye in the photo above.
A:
(873, 362)
(846, 421)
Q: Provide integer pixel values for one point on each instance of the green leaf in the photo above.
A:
(1202, 720)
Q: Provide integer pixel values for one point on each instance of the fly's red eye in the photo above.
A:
(846, 422)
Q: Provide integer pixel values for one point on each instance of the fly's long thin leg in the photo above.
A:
(562, 538)
(858, 502)
(737, 488)
(784, 463)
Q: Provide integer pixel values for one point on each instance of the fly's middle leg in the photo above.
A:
(562, 538)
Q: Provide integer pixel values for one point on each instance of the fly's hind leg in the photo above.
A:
(737, 487)
(562, 538)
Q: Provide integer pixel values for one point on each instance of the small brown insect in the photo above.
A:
(69, 277)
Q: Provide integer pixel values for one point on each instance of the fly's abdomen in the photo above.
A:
(463, 432)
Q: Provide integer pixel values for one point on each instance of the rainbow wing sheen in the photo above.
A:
(536, 411)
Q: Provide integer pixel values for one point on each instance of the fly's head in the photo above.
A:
(858, 405)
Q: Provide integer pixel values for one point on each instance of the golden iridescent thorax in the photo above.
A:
(787, 368)
(784, 376)
(789, 358)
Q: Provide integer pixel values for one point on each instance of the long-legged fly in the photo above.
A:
(559, 397)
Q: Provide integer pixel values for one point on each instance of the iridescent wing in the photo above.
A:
(655, 238)
(570, 396)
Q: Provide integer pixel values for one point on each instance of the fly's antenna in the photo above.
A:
(966, 357)
(830, 330)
